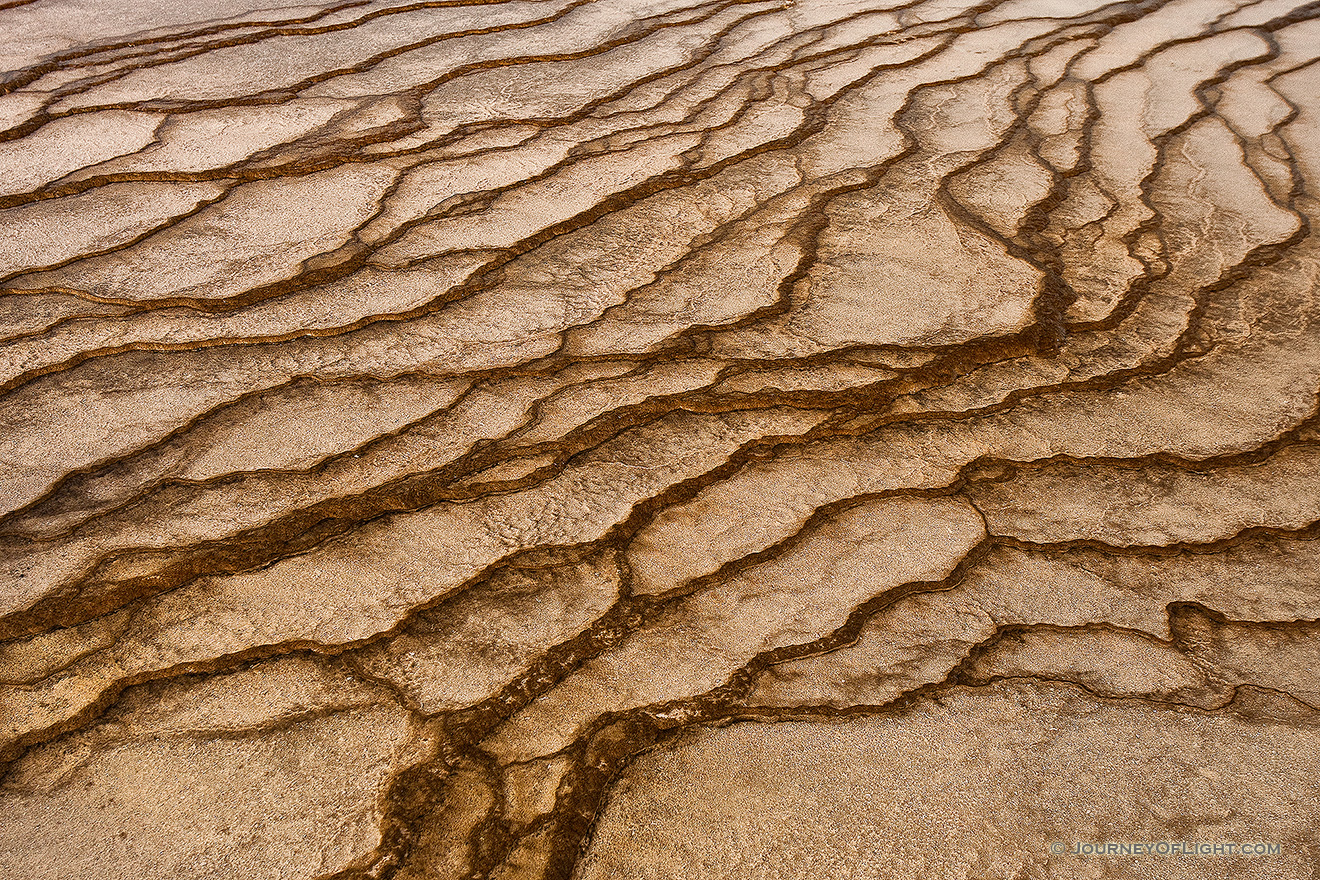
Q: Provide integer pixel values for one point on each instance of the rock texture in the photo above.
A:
(534, 439)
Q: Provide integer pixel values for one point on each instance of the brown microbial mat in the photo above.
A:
(659, 440)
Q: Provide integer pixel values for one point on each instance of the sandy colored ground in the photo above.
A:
(659, 440)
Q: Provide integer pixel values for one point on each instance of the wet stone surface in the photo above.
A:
(569, 439)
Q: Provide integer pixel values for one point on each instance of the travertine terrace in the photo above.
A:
(659, 439)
